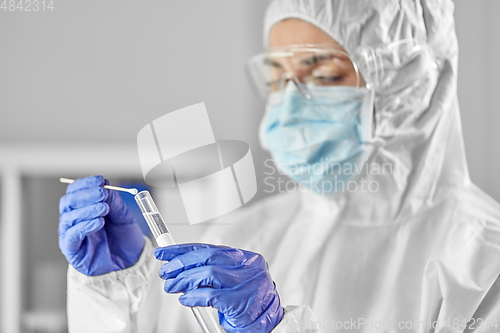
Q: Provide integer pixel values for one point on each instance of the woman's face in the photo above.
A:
(335, 70)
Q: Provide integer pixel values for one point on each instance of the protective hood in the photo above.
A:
(420, 157)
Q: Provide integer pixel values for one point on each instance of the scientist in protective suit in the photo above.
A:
(364, 92)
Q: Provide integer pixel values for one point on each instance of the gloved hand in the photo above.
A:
(97, 233)
(235, 282)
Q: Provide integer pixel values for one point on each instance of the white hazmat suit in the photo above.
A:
(422, 254)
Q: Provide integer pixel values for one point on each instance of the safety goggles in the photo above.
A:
(305, 65)
(325, 65)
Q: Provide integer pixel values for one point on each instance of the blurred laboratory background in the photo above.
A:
(79, 82)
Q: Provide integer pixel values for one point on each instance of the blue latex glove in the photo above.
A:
(97, 234)
(235, 282)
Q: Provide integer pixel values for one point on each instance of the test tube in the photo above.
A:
(164, 238)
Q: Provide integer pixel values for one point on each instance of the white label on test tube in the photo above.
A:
(165, 240)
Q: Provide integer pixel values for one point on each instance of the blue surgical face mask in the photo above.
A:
(322, 142)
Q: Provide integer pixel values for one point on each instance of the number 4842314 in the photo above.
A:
(27, 5)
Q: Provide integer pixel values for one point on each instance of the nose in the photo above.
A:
(289, 77)
(285, 78)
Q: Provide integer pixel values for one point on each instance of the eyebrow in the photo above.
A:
(317, 58)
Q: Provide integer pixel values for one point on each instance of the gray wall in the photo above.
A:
(477, 28)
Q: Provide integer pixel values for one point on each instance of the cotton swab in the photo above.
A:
(132, 191)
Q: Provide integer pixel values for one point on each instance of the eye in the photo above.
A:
(272, 63)
(328, 74)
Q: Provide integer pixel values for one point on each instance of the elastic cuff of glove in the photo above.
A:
(139, 268)
(267, 321)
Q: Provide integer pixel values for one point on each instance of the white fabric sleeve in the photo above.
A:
(124, 301)
(297, 319)
(486, 319)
